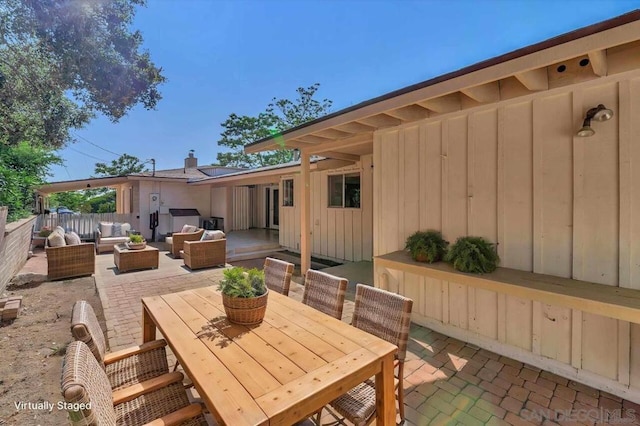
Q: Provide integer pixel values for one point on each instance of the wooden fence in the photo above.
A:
(84, 224)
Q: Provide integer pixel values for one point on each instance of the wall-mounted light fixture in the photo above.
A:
(599, 113)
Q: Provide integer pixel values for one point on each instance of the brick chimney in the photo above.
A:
(190, 162)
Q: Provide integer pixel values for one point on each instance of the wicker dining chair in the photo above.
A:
(123, 368)
(324, 292)
(277, 275)
(388, 316)
(91, 401)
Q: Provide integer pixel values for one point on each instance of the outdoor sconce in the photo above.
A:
(599, 113)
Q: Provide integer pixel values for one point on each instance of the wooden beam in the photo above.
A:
(305, 212)
(380, 120)
(311, 139)
(489, 92)
(362, 139)
(340, 156)
(598, 59)
(329, 165)
(333, 134)
(443, 104)
(355, 127)
(534, 80)
(409, 113)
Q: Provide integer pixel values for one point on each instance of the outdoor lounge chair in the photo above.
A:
(324, 292)
(205, 254)
(277, 275)
(70, 261)
(123, 368)
(91, 401)
(388, 316)
(177, 239)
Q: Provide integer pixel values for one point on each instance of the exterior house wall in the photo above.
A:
(514, 173)
(219, 205)
(172, 195)
(339, 233)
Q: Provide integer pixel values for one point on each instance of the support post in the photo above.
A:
(305, 212)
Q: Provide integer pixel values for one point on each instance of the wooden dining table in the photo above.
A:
(277, 372)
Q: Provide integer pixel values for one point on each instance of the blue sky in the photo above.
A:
(223, 57)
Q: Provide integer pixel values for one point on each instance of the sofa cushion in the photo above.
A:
(56, 239)
(169, 240)
(189, 228)
(106, 229)
(72, 239)
(212, 235)
(113, 240)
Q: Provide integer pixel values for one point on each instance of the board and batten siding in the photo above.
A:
(337, 233)
(557, 204)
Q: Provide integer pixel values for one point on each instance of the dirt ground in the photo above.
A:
(31, 349)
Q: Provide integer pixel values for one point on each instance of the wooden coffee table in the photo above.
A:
(129, 260)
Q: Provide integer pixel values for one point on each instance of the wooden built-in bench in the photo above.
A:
(614, 302)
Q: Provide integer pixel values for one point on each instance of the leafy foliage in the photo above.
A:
(473, 254)
(240, 282)
(136, 238)
(22, 167)
(124, 165)
(426, 246)
(280, 115)
(63, 61)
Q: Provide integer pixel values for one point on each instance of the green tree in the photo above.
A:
(124, 165)
(280, 115)
(22, 167)
(63, 61)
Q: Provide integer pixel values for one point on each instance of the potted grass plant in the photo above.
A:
(244, 295)
(136, 242)
(473, 254)
(426, 246)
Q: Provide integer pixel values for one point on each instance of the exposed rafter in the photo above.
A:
(355, 127)
(443, 104)
(312, 139)
(534, 80)
(489, 92)
(362, 139)
(333, 134)
(598, 59)
(409, 113)
(380, 120)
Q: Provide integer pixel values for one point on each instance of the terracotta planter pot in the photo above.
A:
(245, 311)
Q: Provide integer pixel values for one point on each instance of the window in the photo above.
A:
(344, 190)
(287, 190)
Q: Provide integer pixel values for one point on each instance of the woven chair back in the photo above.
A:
(383, 314)
(277, 275)
(86, 386)
(324, 292)
(86, 328)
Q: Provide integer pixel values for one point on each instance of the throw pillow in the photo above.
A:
(189, 228)
(126, 227)
(72, 239)
(116, 230)
(105, 229)
(212, 235)
(59, 229)
(56, 239)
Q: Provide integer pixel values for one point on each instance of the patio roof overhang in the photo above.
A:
(609, 47)
(267, 174)
(76, 185)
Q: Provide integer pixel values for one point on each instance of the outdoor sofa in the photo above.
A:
(109, 234)
(210, 251)
(68, 257)
(176, 241)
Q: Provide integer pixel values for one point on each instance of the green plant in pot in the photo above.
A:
(244, 295)
(473, 254)
(426, 246)
(136, 239)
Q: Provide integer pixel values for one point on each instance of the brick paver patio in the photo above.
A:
(447, 382)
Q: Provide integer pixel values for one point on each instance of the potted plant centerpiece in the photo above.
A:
(244, 295)
(426, 246)
(137, 242)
